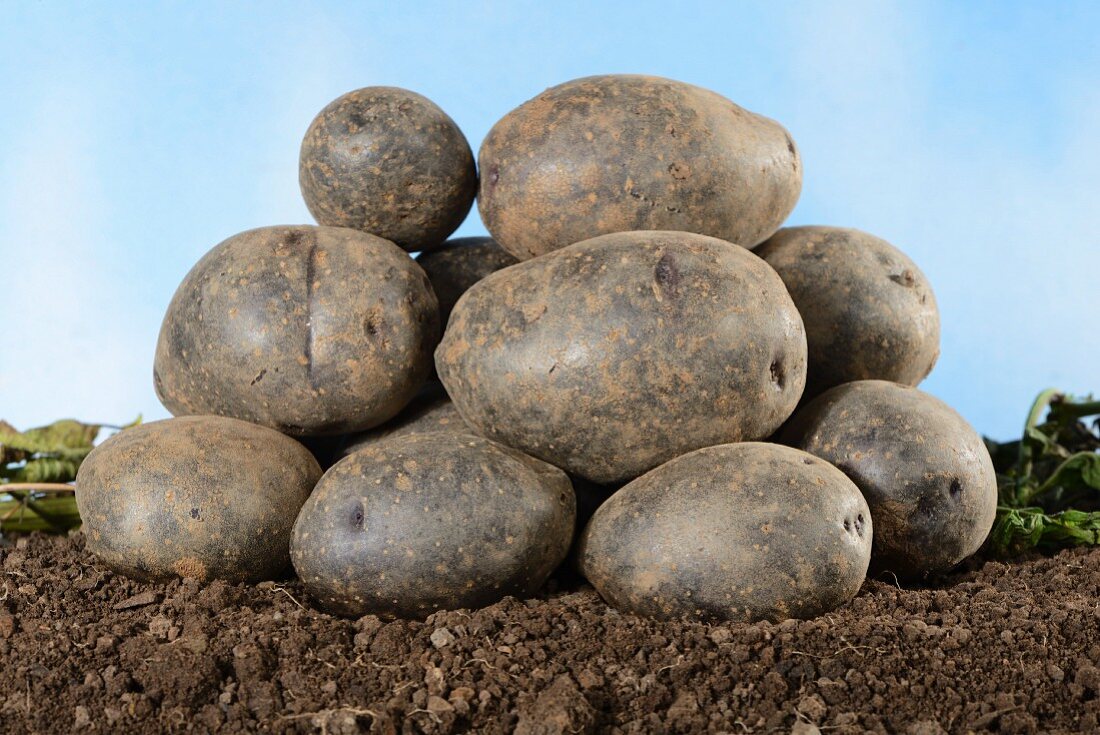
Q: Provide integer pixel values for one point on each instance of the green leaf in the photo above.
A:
(66, 434)
(1090, 469)
(9, 454)
(49, 469)
(1018, 529)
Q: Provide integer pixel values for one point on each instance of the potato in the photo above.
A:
(461, 263)
(200, 496)
(625, 152)
(869, 311)
(408, 526)
(613, 355)
(308, 330)
(389, 162)
(925, 472)
(732, 532)
(431, 410)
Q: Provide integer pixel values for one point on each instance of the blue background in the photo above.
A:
(135, 136)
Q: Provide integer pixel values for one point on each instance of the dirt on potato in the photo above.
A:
(994, 647)
(308, 330)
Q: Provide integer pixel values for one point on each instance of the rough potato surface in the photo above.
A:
(389, 162)
(869, 311)
(626, 152)
(425, 522)
(200, 496)
(925, 472)
(611, 356)
(432, 410)
(733, 532)
(459, 264)
(308, 330)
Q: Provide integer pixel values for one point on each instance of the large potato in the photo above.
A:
(308, 330)
(624, 152)
(459, 264)
(925, 472)
(389, 162)
(432, 410)
(732, 532)
(199, 496)
(613, 355)
(408, 526)
(869, 311)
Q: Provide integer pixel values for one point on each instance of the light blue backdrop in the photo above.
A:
(135, 136)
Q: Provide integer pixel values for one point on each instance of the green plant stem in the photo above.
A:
(1023, 462)
(1027, 497)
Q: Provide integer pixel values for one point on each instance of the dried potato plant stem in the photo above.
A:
(38, 487)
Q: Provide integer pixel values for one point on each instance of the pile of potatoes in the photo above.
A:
(714, 417)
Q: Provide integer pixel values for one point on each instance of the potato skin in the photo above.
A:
(200, 496)
(405, 527)
(613, 355)
(390, 162)
(625, 152)
(925, 472)
(869, 311)
(732, 532)
(308, 330)
(459, 264)
(431, 411)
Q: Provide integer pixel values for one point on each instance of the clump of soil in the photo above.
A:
(1009, 648)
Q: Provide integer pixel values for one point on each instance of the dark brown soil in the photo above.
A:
(994, 647)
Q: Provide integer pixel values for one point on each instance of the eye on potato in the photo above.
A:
(408, 526)
(389, 162)
(925, 472)
(459, 264)
(732, 532)
(627, 152)
(869, 311)
(308, 330)
(613, 355)
(201, 496)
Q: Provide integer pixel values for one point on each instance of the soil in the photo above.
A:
(1009, 648)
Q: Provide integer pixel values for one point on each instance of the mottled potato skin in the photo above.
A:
(613, 355)
(308, 330)
(459, 264)
(869, 311)
(431, 410)
(200, 496)
(733, 532)
(389, 162)
(408, 526)
(625, 152)
(925, 472)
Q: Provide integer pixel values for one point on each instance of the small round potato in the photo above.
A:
(613, 355)
(459, 264)
(432, 410)
(732, 532)
(869, 311)
(925, 472)
(389, 162)
(625, 152)
(408, 526)
(200, 496)
(308, 330)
